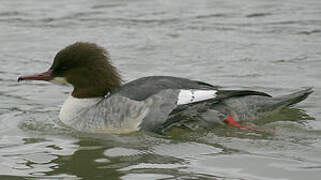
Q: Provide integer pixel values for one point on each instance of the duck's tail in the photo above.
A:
(256, 106)
(293, 98)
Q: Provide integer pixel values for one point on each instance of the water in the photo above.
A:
(272, 46)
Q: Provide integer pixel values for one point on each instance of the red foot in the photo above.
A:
(231, 121)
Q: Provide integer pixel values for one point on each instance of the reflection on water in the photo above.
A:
(33, 157)
(272, 46)
(219, 153)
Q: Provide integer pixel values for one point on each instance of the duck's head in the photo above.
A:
(84, 65)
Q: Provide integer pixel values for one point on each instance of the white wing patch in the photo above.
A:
(187, 96)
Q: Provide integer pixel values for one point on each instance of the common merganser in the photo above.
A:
(99, 103)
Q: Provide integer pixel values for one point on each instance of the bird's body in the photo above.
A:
(157, 103)
(99, 103)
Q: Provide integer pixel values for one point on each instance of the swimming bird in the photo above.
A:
(101, 103)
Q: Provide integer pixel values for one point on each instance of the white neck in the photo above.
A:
(72, 107)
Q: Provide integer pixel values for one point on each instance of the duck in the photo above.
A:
(101, 102)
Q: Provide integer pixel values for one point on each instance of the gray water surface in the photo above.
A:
(268, 45)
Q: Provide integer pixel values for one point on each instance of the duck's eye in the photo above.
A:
(63, 69)
(60, 70)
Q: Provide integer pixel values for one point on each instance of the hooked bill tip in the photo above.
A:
(19, 79)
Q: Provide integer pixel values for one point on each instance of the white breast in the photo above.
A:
(187, 96)
(73, 106)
